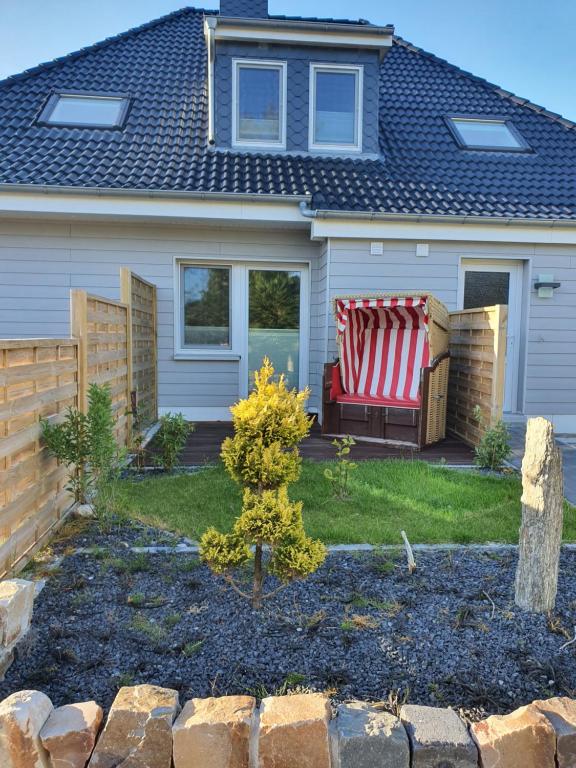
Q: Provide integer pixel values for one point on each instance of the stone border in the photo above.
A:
(16, 606)
(145, 727)
(193, 548)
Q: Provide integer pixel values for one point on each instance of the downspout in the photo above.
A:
(210, 30)
(307, 212)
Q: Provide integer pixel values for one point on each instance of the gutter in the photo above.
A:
(303, 202)
(293, 24)
(429, 218)
(251, 197)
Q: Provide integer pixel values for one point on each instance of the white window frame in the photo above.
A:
(281, 66)
(239, 298)
(201, 351)
(356, 69)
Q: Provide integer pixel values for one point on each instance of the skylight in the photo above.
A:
(486, 133)
(85, 110)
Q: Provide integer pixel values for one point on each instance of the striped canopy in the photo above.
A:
(383, 347)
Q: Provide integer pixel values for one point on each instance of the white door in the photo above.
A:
(485, 283)
(276, 323)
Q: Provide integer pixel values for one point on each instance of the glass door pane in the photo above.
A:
(485, 289)
(274, 322)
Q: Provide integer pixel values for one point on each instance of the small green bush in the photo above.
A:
(70, 442)
(340, 475)
(85, 443)
(171, 439)
(494, 447)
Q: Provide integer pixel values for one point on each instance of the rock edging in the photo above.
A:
(285, 731)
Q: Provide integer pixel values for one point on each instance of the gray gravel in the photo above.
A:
(447, 635)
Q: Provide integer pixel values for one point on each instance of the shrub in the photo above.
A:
(69, 441)
(340, 475)
(85, 443)
(171, 439)
(263, 457)
(494, 447)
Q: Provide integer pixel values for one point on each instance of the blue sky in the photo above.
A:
(526, 46)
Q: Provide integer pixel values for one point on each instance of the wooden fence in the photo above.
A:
(115, 344)
(38, 379)
(477, 368)
(140, 297)
(101, 327)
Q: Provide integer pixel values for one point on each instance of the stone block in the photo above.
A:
(365, 737)
(523, 739)
(22, 716)
(138, 729)
(438, 738)
(70, 733)
(16, 605)
(561, 712)
(6, 659)
(294, 732)
(214, 733)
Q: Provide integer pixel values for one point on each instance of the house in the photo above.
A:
(255, 166)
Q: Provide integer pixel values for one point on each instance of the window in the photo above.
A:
(335, 107)
(85, 110)
(486, 133)
(205, 306)
(259, 99)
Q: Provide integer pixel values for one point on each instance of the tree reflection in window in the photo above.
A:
(274, 299)
(206, 302)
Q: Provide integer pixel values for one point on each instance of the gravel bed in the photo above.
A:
(361, 627)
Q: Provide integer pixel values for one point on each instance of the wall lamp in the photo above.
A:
(545, 285)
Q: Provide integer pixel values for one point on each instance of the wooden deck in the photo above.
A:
(203, 446)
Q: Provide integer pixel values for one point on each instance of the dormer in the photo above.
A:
(282, 84)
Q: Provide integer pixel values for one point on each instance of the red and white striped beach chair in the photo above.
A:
(390, 383)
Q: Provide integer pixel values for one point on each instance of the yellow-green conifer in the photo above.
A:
(263, 457)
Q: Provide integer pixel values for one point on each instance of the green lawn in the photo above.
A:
(433, 505)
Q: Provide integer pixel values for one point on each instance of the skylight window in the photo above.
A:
(85, 110)
(486, 133)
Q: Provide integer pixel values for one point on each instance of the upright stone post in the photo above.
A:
(542, 519)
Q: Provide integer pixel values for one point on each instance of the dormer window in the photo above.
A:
(259, 103)
(335, 108)
(486, 133)
(85, 110)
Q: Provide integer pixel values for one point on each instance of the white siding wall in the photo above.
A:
(550, 344)
(39, 263)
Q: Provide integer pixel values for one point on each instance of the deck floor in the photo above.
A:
(203, 446)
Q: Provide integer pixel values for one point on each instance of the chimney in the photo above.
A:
(244, 9)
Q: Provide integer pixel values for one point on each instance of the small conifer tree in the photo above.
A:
(263, 457)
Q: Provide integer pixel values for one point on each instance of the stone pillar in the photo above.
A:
(542, 519)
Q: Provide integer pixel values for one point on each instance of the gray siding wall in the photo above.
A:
(40, 263)
(298, 81)
(550, 334)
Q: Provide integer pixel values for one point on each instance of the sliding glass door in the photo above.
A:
(275, 321)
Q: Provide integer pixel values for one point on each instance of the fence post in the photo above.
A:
(499, 323)
(79, 323)
(126, 298)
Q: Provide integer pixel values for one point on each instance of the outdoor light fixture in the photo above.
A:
(545, 285)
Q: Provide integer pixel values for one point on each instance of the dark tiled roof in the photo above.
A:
(163, 146)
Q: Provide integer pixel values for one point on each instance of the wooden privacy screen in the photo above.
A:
(102, 327)
(477, 367)
(114, 344)
(38, 379)
(140, 297)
